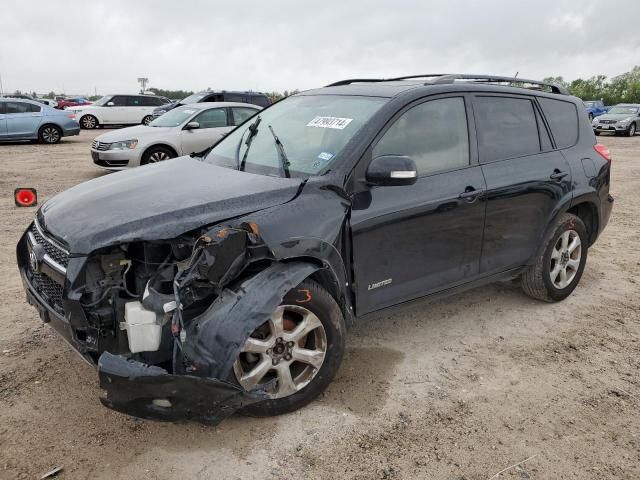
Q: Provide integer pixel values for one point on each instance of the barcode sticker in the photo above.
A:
(330, 122)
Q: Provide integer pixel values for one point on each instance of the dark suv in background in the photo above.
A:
(255, 98)
(225, 280)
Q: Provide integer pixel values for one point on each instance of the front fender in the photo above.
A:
(215, 337)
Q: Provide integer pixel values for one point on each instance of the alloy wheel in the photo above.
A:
(565, 259)
(50, 135)
(284, 354)
(159, 156)
(88, 122)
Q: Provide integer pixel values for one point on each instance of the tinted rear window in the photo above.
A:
(506, 128)
(563, 120)
(260, 101)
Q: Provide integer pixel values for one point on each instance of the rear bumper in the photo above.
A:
(606, 207)
(150, 392)
(71, 131)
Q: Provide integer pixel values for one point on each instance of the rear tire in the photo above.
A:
(309, 296)
(147, 120)
(157, 154)
(50, 134)
(597, 133)
(559, 268)
(88, 122)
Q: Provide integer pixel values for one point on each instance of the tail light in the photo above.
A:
(72, 116)
(25, 197)
(603, 151)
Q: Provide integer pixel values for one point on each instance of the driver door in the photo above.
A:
(213, 124)
(413, 240)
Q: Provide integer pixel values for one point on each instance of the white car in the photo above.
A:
(118, 110)
(181, 131)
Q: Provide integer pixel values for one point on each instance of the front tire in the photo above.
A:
(156, 154)
(296, 354)
(559, 268)
(50, 134)
(632, 130)
(89, 122)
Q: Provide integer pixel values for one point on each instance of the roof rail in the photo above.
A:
(446, 78)
(451, 78)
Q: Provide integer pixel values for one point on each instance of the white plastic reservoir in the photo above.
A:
(143, 332)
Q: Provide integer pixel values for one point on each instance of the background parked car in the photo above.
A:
(29, 120)
(254, 98)
(623, 118)
(48, 101)
(72, 102)
(184, 130)
(595, 108)
(118, 110)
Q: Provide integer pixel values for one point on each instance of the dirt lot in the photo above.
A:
(458, 389)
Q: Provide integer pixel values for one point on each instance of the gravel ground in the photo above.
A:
(455, 389)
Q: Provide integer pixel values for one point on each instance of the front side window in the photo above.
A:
(119, 101)
(506, 128)
(433, 134)
(312, 131)
(175, 117)
(3, 108)
(214, 118)
(240, 114)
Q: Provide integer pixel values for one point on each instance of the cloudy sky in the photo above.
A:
(79, 46)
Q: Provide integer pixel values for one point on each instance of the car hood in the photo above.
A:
(614, 116)
(159, 201)
(139, 132)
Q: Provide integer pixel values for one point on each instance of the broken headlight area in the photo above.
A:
(147, 300)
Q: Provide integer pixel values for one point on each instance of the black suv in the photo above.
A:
(255, 98)
(225, 280)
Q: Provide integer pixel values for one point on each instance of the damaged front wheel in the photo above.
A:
(294, 355)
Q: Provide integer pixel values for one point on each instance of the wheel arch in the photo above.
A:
(159, 144)
(587, 211)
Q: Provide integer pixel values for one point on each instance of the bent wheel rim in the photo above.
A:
(565, 259)
(50, 135)
(156, 157)
(283, 355)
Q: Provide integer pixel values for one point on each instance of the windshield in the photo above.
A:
(310, 130)
(590, 104)
(624, 110)
(102, 101)
(174, 118)
(195, 98)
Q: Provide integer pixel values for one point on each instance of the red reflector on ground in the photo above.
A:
(25, 197)
(603, 151)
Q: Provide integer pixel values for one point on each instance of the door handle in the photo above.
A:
(36, 115)
(470, 194)
(558, 175)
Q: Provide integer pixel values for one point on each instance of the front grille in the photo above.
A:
(608, 122)
(50, 291)
(102, 146)
(52, 249)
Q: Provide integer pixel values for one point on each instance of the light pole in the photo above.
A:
(143, 84)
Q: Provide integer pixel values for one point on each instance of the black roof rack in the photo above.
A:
(447, 78)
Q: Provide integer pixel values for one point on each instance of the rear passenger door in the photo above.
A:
(3, 121)
(526, 178)
(137, 109)
(412, 240)
(23, 119)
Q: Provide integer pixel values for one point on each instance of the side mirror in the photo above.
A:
(192, 126)
(110, 104)
(392, 170)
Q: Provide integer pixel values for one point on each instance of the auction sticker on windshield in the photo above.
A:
(330, 122)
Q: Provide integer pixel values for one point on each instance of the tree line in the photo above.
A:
(623, 88)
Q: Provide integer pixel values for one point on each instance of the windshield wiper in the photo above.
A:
(253, 130)
(284, 161)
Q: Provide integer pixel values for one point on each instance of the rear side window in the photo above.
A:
(150, 102)
(434, 134)
(260, 100)
(506, 128)
(240, 114)
(232, 97)
(563, 121)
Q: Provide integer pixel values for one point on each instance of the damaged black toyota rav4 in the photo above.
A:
(224, 280)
